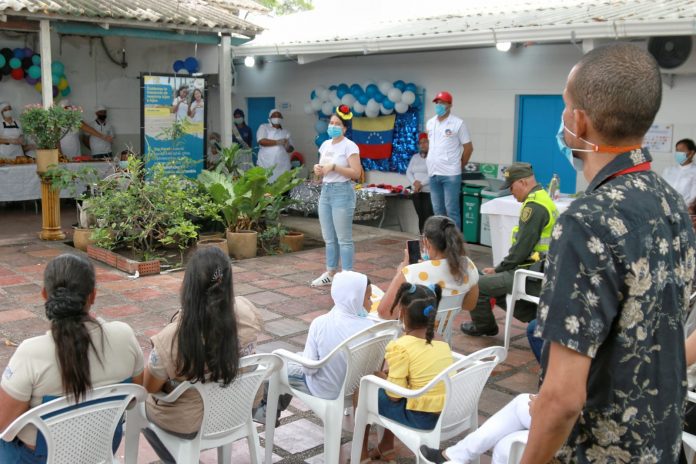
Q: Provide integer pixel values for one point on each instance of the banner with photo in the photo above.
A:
(173, 119)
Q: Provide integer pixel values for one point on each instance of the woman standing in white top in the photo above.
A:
(180, 105)
(417, 175)
(11, 138)
(196, 108)
(274, 145)
(444, 263)
(339, 165)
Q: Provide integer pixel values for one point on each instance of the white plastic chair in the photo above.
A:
(516, 451)
(464, 381)
(227, 413)
(519, 292)
(447, 310)
(689, 440)
(83, 433)
(364, 354)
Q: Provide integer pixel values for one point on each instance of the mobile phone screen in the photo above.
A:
(414, 254)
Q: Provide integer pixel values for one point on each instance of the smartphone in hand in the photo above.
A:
(413, 247)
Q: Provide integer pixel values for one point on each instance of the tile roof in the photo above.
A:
(202, 15)
(413, 24)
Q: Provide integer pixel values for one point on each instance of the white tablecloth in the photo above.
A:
(504, 214)
(20, 182)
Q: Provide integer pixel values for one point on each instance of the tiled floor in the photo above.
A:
(278, 285)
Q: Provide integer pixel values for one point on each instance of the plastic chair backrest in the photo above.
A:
(366, 356)
(83, 432)
(519, 292)
(465, 386)
(447, 310)
(227, 408)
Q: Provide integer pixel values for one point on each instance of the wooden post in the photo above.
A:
(50, 197)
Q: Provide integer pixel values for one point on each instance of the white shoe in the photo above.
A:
(324, 279)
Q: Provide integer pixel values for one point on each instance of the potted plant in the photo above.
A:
(245, 204)
(47, 126)
(62, 178)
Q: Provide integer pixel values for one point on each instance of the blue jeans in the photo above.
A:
(445, 194)
(336, 207)
(535, 343)
(396, 411)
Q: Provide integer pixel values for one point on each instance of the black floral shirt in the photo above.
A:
(618, 279)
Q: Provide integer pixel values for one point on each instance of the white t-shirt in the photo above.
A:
(683, 180)
(33, 371)
(182, 109)
(338, 154)
(418, 171)
(70, 144)
(436, 271)
(276, 154)
(446, 139)
(99, 146)
(198, 110)
(10, 131)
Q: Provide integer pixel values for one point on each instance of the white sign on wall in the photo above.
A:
(659, 138)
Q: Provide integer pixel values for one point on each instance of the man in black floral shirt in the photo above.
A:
(618, 278)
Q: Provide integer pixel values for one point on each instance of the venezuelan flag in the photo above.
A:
(374, 136)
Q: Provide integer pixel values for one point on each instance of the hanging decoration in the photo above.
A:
(190, 65)
(373, 100)
(24, 63)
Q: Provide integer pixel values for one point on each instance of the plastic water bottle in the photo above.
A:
(555, 187)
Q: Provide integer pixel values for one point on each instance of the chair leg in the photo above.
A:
(333, 428)
(271, 407)
(253, 443)
(358, 435)
(224, 454)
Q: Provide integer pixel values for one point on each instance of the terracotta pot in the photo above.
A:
(220, 243)
(294, 240)
(242, 244)
(81, 238)
(44, 158)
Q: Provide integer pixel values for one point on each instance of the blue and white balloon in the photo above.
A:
(408, 97)
(320, 126)
(316, 104)
(394, 95)
(401, 107)
(327, 108)
(384, 87)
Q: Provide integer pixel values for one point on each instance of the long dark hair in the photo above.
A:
(420, 303)
(69, 281)
(207, 341)
(445, 236)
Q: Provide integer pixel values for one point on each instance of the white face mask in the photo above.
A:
(7, 113)
(276, 121)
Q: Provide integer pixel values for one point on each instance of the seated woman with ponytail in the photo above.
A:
(78, 354)
(203, 343)
(444, 263)
(413, 360)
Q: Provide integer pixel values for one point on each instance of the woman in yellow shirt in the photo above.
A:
(413, 360)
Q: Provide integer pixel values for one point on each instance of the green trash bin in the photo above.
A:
(471, 211)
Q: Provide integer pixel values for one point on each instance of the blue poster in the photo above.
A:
(174, 123)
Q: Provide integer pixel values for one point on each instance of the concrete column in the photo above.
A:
(225, 75)
(46, 76)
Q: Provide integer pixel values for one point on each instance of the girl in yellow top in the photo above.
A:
(413, 360)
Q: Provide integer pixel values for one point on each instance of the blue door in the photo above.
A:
(257, 114)
(538, 119)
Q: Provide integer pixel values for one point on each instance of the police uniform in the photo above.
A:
(530, 242)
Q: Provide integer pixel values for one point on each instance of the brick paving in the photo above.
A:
(278, 285)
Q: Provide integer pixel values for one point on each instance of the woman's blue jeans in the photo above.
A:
(336, 207)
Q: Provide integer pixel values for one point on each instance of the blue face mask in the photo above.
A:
(566, 151)
(440, 109)
(334, 131)
(679, 157)
(123, 164)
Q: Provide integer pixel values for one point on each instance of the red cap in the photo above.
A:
(422, 135)
(444, 96)
(297, 156)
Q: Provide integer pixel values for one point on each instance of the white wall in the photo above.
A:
(484, 83)
(95, 80)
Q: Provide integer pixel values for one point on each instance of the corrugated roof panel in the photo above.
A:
(473, 16)
(208, 14)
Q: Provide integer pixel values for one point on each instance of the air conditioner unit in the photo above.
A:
(674, 54)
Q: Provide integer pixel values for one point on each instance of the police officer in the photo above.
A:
(530, 242)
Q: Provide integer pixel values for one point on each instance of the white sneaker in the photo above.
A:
(324, 279)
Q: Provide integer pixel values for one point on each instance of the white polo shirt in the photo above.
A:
(446, 139)
(96, 145)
